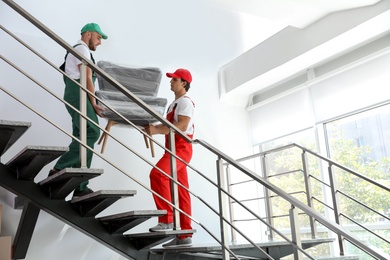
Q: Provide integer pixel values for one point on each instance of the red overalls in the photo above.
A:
(162, 184)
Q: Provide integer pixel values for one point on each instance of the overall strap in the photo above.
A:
(67, 52)
(62, 67)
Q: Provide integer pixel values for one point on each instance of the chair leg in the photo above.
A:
(151, 144)
(104, 136)
(146, 141)
(151, 147)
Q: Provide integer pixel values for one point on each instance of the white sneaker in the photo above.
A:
(162, 227)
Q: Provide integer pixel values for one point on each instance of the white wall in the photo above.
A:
(165, 34)
(342, 91)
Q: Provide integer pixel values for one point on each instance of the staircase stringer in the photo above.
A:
(64, 211)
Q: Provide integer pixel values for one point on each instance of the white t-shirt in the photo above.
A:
(71, 63)
(185, 107)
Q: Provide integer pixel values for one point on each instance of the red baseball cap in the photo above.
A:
(181, 74)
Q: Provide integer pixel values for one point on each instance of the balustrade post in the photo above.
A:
(222, 209)
(295, 233)
(309, 197)
(83, 111)
(230, 201)
(174, 186)
(336, 210)
(267, 200)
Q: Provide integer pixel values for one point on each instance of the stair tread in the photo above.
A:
(92, 204)
(30, 161)
(161, 233)
(68, 173)
(7, 138)
(104, 194)
(131, 214)
(37, 148)
(120, 223)
(304, 241)
(62, 183)
(217, 247)
(145, 241)
(345, 257)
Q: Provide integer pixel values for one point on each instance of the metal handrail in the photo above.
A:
(137, 181)
(364, 205)
(309, 211)
(296, 203)
(130, 95)
(331, 162)
(133, 178)
(363, 227)
(94, 67)
(111, 163)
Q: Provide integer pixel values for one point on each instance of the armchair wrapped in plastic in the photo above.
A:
(143, 82)
(130, 110)
(140, 81)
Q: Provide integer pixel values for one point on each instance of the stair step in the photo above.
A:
(61, 184)
(92, 204)
(346, 257)
(144, 241)
(280, 248)
(214, 249)
(10, 132)
(120, 223)
(30, 161)
(207, 256)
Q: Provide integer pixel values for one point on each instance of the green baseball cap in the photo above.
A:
(93, 27)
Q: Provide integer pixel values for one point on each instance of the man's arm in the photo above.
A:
(98, 109)
(182, 124)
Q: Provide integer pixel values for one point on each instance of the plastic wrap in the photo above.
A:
(130, 110)
(140, 81)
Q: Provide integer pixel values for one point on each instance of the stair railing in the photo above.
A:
(221, 158)
(108, 78)
(307, 177)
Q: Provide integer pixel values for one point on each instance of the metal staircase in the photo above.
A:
(18, 176)
(49, 195)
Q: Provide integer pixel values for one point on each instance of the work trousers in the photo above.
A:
(71, 159)
(161, 184)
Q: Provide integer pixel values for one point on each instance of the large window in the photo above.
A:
(305, 138)
(360, 142)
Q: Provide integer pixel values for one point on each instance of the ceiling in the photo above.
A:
(323, 24)
(297, 13)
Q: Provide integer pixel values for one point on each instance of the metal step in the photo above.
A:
(346, 257)
(62, 183)
(92, 204)
(203, 256)
(276, 249)
(10, 132)
(120, 223)
(30, 161)
(144, 241)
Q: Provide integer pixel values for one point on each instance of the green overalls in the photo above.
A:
(71, 159)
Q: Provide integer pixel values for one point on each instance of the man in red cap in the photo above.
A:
(180, 113)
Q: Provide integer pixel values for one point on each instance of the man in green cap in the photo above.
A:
(91, 37)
